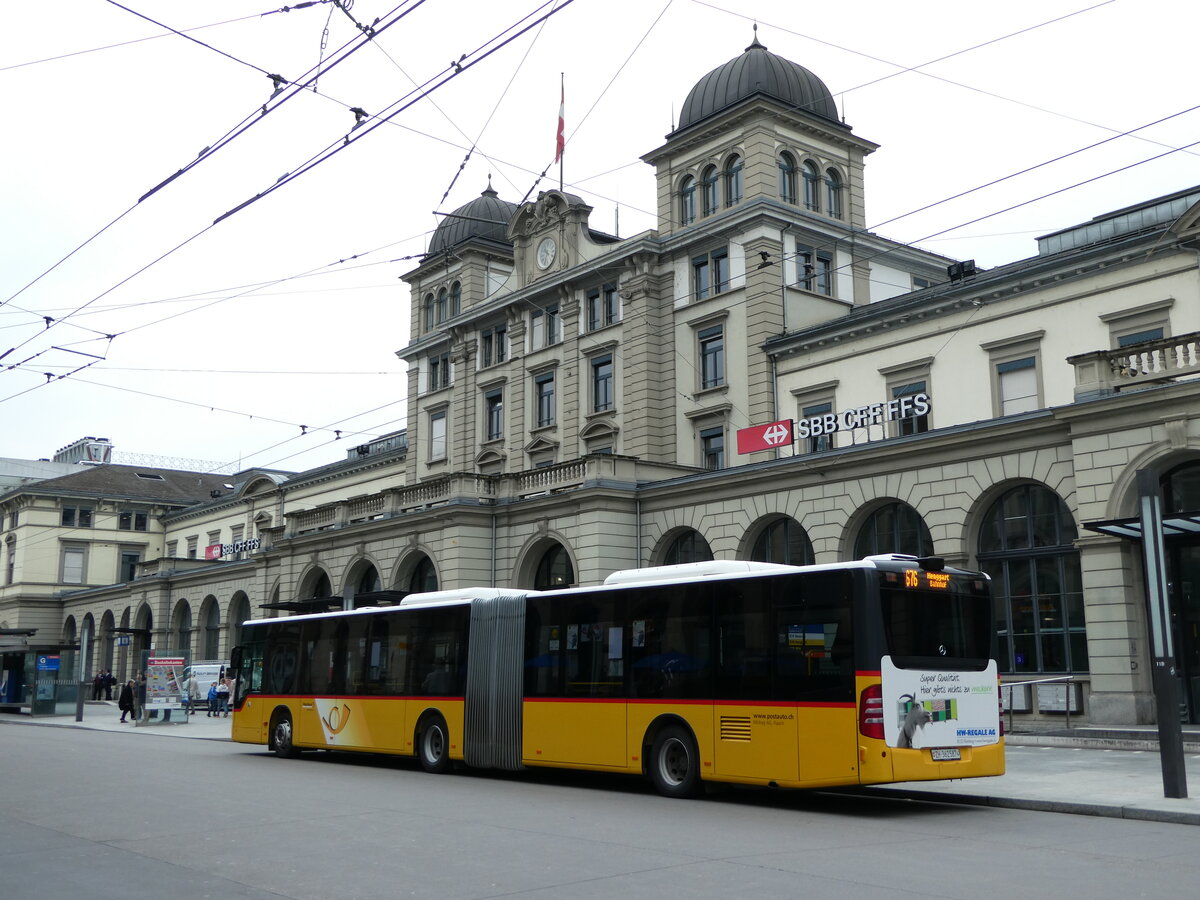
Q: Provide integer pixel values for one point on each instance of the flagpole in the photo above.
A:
(561, 142)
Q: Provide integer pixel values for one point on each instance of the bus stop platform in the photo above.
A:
(1085, 771)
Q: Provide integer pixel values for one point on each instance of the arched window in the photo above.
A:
(1181, 488)
(833, 193)
(1026, 545)
(183, 627)
(428, 312)
(212, 630)
(368, 582)
(812, 183)
(733, 180)
(687, 201)
(787, 177)
(239, 612)
(554, 570)
(440, 314)
(455, 298)
(424, 577)
(783, 541)
(894, 528)
(321, 588)
(709, 190)
(689, 547)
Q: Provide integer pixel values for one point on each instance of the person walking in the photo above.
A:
(212, 699)
(125, 701)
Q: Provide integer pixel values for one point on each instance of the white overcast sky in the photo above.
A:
(223, 347)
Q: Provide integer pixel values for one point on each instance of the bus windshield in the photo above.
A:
(938, 629)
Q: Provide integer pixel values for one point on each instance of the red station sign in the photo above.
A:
(765, 437)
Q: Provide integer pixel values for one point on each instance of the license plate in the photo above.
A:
(941, 754)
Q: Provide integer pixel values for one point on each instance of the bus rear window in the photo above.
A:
(936, 629)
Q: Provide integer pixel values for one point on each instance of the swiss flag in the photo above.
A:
(559, 141)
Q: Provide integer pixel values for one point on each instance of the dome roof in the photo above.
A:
(757, 72)
(486, 217)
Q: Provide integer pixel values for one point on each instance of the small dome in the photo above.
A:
(486, 217)
(757, 72)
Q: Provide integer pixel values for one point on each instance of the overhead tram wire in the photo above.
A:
(500, 42)
(600, 96)
(919, 68)
(154, 37)
(244, 125)
(369, 125)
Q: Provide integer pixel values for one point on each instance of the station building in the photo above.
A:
(759, 377)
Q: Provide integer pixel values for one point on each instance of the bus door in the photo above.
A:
(575, 668)
(755, 733)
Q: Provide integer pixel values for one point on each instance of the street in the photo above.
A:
(117, 815)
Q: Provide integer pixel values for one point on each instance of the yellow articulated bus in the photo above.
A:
(866, 672)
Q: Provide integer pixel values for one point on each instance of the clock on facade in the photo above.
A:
(545, 253)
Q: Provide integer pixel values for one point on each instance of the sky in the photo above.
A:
(185, 324)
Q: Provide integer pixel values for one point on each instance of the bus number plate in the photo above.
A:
(941, 754)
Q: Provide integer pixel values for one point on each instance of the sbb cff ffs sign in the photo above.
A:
(771, 436)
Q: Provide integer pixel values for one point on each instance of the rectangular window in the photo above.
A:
(493, 415)
(602, 383)
(700, 277)
(1137, 337)
(919, 283)
(544, 393)
(493, 346)
(439, 371)
(236, 534)
(74, 565)
(1018, 385)
(712, 356)
(602, 307)
(712, 448)
(710, 273)
(814, 270)
(544, 327)
(10, 566)
(912, 424)
(437, 436)
(172, 549)
(822, 441)
(132, 521)
(129, 561)
(77, 516)
(191, 546)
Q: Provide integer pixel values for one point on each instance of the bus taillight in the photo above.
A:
(870, 712)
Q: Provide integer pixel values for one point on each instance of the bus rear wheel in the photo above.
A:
(675, 763)
(433, 745)
(281, 736)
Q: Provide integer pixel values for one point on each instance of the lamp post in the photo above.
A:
(1164, 672)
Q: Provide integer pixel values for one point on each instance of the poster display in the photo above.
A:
(939, 708)
(164, 680)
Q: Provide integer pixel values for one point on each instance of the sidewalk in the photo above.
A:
(1086, 771)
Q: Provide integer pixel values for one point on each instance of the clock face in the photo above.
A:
(545, 253)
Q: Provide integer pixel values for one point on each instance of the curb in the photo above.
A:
(1103, 810)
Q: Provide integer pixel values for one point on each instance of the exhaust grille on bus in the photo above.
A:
(735, 728)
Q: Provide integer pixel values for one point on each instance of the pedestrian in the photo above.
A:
(140, 707)
(222, 687)
(109, 682)
(212, 699)
(125, 701)
(193, 695)
(98, 685)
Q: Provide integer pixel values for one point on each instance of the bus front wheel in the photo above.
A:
(281, 736)
(675, 763)
(433, 745)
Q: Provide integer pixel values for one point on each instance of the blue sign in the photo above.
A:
(48, 663)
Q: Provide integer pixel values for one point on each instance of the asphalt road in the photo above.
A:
(90, 814)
